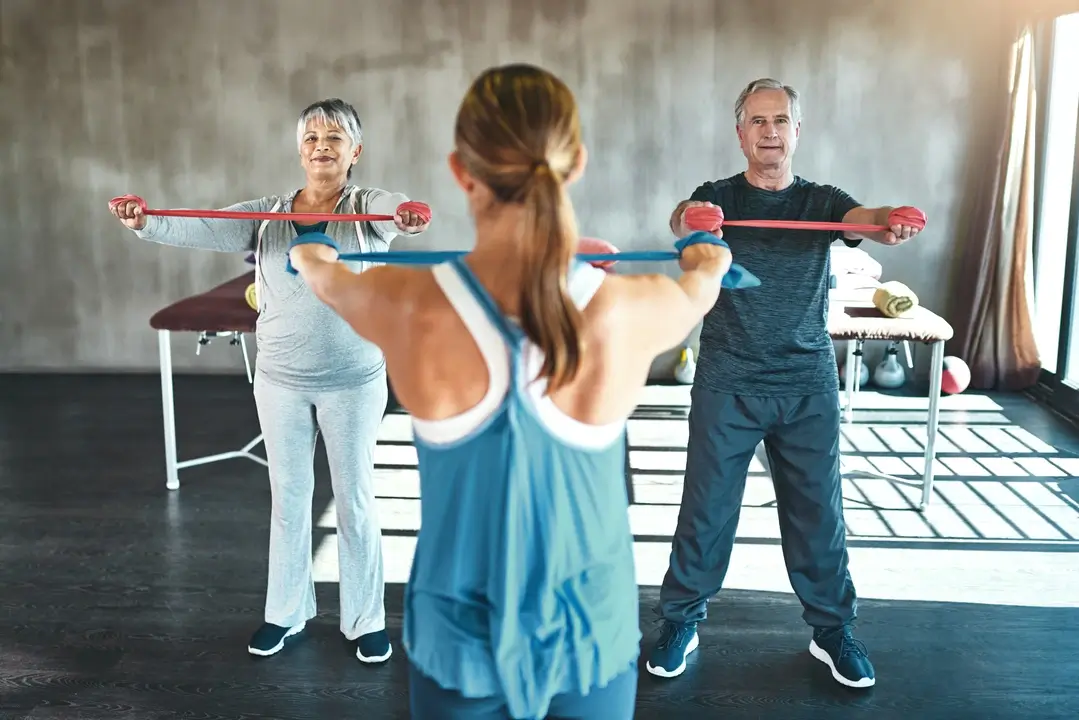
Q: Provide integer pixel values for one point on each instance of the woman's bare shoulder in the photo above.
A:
(624, 293)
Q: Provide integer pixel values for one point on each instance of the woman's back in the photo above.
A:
(439, 371)
(523, 581)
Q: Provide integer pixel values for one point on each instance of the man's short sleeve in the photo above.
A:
(705, 193)
(842, 203)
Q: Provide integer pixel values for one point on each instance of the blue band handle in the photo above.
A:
(308, 239)
(737, 277)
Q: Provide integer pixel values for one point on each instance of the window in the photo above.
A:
(1057, 192)
(1056, 305)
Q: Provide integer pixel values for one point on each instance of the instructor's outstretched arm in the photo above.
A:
(664, 311)
(371, 302)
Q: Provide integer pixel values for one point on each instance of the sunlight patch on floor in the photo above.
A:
(1037, 579)
(997, 512)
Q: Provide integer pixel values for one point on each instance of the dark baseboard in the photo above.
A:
(1060, 401)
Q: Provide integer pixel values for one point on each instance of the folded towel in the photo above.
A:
(894, 299)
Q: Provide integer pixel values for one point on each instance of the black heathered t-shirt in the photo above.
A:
(773, 340)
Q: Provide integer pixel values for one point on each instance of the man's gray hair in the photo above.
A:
(335, 112)
(767, 84)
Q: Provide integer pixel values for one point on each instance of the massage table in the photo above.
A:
(220, 312)
(853, 318)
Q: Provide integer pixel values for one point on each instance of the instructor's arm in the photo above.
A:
(664, 311)
(370, 302)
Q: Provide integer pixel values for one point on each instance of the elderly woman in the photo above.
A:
(313, 373)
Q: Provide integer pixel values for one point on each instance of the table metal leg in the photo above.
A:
(168, 410)
(852, 374)
(172, 464)
(928, 471)
(936, 371)
(247, 360)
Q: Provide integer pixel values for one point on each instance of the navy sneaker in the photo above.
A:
(374, 647)
(846, 657)
(676, 642)
(270, 639)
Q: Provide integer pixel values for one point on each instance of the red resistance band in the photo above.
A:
(710, 219)
(419, 208)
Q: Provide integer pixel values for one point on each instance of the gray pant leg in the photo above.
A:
(724, 431)
(803, 452)
(287, 418)
(349, 421)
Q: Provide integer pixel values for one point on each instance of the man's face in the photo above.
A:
(768, 132)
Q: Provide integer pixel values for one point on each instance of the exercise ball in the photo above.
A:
(956, 376)
(889, 373)
(686, 368)
(596, 246)
(863, 378)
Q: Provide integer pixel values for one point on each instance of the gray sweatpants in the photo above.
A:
(801, 438)
(348, 420)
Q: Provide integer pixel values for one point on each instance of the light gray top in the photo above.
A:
(302, 343)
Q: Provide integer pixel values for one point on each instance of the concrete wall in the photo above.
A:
(192, 103)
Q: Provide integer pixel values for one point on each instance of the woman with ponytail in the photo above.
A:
(520, 366)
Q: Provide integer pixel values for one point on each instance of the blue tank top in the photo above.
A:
(523, 582)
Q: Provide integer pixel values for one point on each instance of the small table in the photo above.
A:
(221, 311)
(853, 317)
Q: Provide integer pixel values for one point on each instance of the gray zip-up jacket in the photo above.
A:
(302, 343)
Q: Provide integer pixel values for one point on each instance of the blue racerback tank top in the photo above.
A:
(523, 582)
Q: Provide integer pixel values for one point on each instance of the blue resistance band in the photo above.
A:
(737, 277)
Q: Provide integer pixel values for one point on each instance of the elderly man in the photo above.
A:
(767, 371)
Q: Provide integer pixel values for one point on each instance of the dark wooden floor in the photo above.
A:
(119, 599)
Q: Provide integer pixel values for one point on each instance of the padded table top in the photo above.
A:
(221, 309)
(852, 316)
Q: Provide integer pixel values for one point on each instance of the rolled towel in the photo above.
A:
(894, 299)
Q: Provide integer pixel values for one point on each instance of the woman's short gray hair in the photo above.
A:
(335, 112)
(767, 84)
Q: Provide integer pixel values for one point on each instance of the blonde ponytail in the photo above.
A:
(549, 316)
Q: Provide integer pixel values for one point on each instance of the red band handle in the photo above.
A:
(596, 246)
(128, 198)
(909, 216)
(419, 208)
(707, 219)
